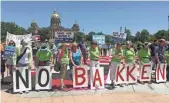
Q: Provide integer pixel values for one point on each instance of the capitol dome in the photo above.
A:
(55, 19)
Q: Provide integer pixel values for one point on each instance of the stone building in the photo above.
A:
(55, 25)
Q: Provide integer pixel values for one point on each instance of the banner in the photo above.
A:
(22, 79)
(17, 38)
(9, 51)
(43, 78)
(99, 38)
(96, 78)
(118, 37)
(80, 77)
(145, 72)
(126, 73)
(161, 73)
(64, 37)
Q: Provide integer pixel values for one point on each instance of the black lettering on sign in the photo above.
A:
(39, 77)
(25, 82)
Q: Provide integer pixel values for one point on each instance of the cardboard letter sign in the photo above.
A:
(97, 78)
(22, 79)
(145, 72)
(43, 78)
(161, 72)
(80, 77)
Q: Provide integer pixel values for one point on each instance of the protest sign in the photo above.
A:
(99, 38)
(21, 79)
(118, 37)
(145, 72)
(80, 77)
(43, 78)
(64, 37)
(9, 50)
(126, 73)
(161, 73)
(17, 38)
(97, 78)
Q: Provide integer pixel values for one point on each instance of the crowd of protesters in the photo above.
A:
(64, 55)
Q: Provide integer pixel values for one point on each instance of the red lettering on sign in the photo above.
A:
(118, 73)
(77, 76)
(161, 72)
(97, 78)
(129, 73)
(144, 71)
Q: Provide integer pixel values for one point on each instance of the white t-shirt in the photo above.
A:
(25, 57)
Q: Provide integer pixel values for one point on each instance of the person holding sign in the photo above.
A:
(75, 57)
(23, 56)
(129, 54)
(10, 61)
(116, 59)
(63, 58)
(44, 56)
(144, 54)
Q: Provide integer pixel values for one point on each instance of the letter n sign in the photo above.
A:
(22, 79)
(80, 77)
(43, 78)
(161, 73)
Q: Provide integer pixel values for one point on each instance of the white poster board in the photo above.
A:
(22, 79)
(43, 78)
(131, 73)
(64, 36)
(161, 73)
(80, 77)
(17, 38)
(97, 78)
(145, 72)
(99, 38)
(120, 77)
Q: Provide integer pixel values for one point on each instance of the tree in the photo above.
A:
(90, 35)
(144, 35)
(78, 36)
(44, 33)
(129, 36)
(137, 36)
(161, 34)
(12, 28)
(108, 39)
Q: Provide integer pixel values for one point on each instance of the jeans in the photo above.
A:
(167, 72)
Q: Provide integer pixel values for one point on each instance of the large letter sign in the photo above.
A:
(161, 73)
(131, 73)
(145, 72)
(22, 79)
(43, 78)
(97, 78)
(120, 74)
(80, 77)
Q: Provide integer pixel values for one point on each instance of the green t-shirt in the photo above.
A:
(167, 57)
(94, 52)
(129, 55)
(144, 55)
(117, 52)
(65, 57)
(44, 55)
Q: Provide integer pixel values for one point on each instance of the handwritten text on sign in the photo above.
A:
(9, 50)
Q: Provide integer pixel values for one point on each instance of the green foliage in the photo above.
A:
(12, 28)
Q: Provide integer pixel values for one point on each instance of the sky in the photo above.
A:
(95, 16)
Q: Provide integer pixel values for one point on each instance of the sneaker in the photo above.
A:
(64, 88)
(112, 85)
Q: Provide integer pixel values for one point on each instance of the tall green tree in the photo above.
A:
(44, 33)
(144, 35)
(12, 28)
(129, 36)
(90, 35)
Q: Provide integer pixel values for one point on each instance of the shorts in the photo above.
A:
(63, 70)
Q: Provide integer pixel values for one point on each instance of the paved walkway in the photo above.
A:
(120, 97)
